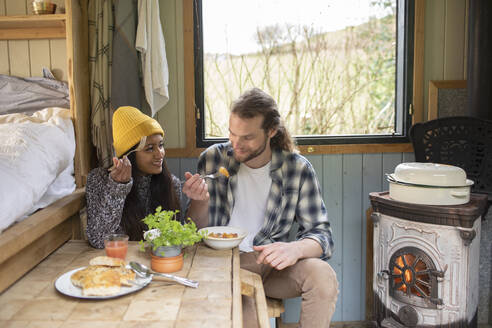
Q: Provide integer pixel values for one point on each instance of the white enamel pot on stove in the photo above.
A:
(429, 184)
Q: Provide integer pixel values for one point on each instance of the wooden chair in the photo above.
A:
(275, 308)
(266, 307)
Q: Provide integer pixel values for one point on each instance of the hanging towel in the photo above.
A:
(150, 43)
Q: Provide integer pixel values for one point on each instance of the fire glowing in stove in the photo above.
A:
(411, 275)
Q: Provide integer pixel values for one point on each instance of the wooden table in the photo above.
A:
(34, 302)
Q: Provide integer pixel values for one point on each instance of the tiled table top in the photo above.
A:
(33, 300)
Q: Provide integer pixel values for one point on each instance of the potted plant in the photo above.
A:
(166, 237)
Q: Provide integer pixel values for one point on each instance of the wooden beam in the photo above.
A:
(78, 83)
(237, 307)
(189, 75)
(253, 279)
(369, 265)
(25, 27)
(16, 266)
(23, 233)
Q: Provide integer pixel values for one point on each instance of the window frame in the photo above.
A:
(416, 109)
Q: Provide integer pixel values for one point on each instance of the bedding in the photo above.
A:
(27, 95)
(36, 162)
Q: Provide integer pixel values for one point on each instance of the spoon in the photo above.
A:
(145, 272)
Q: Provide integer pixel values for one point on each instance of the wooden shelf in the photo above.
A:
(33, 27)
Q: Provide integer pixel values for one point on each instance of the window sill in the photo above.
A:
(314, 149)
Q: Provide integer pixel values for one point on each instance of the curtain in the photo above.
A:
(100, 56)
(479, 79)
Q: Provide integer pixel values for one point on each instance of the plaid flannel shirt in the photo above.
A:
(295, 196)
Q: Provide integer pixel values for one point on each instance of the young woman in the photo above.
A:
(117, 200)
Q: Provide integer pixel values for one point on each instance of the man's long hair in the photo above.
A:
(256, 102)
(162, 193)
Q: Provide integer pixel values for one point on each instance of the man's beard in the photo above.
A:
(254, 153)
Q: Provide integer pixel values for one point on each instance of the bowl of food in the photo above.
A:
(223, 237)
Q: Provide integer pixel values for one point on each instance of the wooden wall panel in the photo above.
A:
(371, 181)
(332, 181)
(4, 51)
(445, 42)
(19, 57)
(173, 164)
(454, 40)
(351, 234)
(4, 58)
(15, 7)
(29, 7)
(28, 57)
(171, 116)
(434, 44)
(178, 80)
(187, 164)
(465, 57)
(390, 161)
(58, 54)
(408, 157)
(39, 56)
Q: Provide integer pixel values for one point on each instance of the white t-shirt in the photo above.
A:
(250, 200)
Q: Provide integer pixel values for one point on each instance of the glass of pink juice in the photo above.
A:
(116, 245)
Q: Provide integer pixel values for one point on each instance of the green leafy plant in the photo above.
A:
(165, 230)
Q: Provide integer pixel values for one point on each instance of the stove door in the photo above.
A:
(413, 278)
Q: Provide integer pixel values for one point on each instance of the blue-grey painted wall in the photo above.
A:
(346, 181)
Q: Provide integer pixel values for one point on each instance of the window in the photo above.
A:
(340, 70)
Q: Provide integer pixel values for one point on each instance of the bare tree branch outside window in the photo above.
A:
(331, 83)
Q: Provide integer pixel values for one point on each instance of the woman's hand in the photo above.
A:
(122, 171)
(195, 187)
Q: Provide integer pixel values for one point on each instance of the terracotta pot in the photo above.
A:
(167, 264)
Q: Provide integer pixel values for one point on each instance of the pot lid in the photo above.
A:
(431, 174)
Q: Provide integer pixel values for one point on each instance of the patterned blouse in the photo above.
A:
(106, 199)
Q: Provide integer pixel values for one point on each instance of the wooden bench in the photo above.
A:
(266, 307)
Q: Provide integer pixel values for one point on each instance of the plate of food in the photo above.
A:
(223, 237)
(104, 278)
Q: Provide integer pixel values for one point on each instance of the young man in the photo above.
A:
(270, 188)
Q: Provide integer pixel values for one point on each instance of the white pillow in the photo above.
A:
(34, 151)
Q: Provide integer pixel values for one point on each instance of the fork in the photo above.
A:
(211, 176)
(222, 171)
(141, 146)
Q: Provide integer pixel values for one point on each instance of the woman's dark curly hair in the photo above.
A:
(162, 193)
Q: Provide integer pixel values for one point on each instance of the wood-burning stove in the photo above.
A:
(426, 262)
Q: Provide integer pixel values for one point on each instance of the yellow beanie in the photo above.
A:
(129, 126)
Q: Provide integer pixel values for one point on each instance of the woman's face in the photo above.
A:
(149, 160)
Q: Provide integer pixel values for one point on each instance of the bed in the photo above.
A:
(27, 43)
